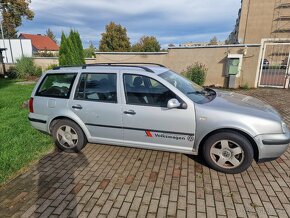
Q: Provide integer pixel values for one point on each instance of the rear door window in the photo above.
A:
(100, 87)
(56, 85)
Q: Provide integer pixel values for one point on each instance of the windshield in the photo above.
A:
(193, 91)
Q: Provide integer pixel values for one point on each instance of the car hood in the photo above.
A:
(242, 104)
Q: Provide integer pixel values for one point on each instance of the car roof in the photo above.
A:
(156, 69)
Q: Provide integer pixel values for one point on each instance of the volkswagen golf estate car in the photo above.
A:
(151, 107)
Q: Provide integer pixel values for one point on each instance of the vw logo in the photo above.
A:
(190, 138)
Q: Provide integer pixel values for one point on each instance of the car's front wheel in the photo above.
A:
(228, 152)
(68, 136)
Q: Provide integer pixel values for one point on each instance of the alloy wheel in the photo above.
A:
(67, 136)
(227, 154)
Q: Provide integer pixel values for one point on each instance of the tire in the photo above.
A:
(68, 136)
(228, 152)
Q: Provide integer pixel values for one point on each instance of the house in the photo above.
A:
(261, 19)
(41, 43)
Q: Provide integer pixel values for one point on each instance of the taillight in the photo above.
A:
(31, 105)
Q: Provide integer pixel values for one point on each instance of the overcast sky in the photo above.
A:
(171, 21)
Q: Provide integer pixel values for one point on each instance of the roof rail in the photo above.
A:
(133, 63)
(66, 66)
(113, 65)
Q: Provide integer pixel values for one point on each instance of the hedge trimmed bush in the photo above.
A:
(51, 66)
(11, 73)
(196, 73)
(25, 67)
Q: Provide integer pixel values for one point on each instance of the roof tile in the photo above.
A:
(41, 42)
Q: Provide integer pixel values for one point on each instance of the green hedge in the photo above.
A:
(25, 67)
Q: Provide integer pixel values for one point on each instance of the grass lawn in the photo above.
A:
(20, 144)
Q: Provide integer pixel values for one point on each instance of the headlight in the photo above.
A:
(284, 127)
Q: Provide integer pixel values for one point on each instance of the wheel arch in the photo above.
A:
(56, 119)
(251, 140)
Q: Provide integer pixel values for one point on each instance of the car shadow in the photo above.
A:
(48, 188)
(59, 182)
(198, 159)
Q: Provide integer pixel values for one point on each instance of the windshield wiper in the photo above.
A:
(197, 92)
(204, 92)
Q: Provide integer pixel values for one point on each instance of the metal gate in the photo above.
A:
(274, 64)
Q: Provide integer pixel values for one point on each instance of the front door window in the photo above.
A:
(142, 90)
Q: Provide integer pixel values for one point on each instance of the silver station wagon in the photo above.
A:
(149, 106)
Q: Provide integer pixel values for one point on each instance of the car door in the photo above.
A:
(97, 103)
(147, 121)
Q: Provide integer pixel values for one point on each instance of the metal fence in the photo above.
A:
(274, 63)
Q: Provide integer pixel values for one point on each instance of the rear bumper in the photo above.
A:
(38, 122)
(272, 146)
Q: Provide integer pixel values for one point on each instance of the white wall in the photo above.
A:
(16, 48)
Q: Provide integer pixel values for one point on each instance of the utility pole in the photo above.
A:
(2, 32)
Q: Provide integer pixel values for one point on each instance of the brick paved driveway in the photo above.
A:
(119, 181)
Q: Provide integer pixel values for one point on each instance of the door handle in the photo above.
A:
(77, 107)
(131, 112)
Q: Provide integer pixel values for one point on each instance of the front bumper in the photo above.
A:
(272, 146)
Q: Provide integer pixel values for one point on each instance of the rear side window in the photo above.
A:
(100, 87)
(56, 85)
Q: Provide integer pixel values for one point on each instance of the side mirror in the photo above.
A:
(173, 103)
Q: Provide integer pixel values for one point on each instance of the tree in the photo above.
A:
(147, 44)
(51, 35)
(13, 13)
(77, 46)
(71, 50)
(63, 51)
(114, 39)
(90, 51)
(213, 41)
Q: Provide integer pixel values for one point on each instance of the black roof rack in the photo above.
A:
(133, 63)
(114, 65)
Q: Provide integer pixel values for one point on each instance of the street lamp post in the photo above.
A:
(2, 32)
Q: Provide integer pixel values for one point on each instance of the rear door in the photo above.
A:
(97, 103)
(148, 122)
(52, 94)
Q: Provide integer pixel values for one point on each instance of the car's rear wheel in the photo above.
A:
(228, 152)
(68, 136)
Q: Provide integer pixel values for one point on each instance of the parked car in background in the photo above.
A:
(284, 63)
(266, 64)
(150, 106)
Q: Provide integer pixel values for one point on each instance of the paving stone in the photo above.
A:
(143, 211)
(210, 212)
(191, 210)
(171, 210)
(61, 207)
(113, 213)
(107, 207)
(200, 204)
(47, 212)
